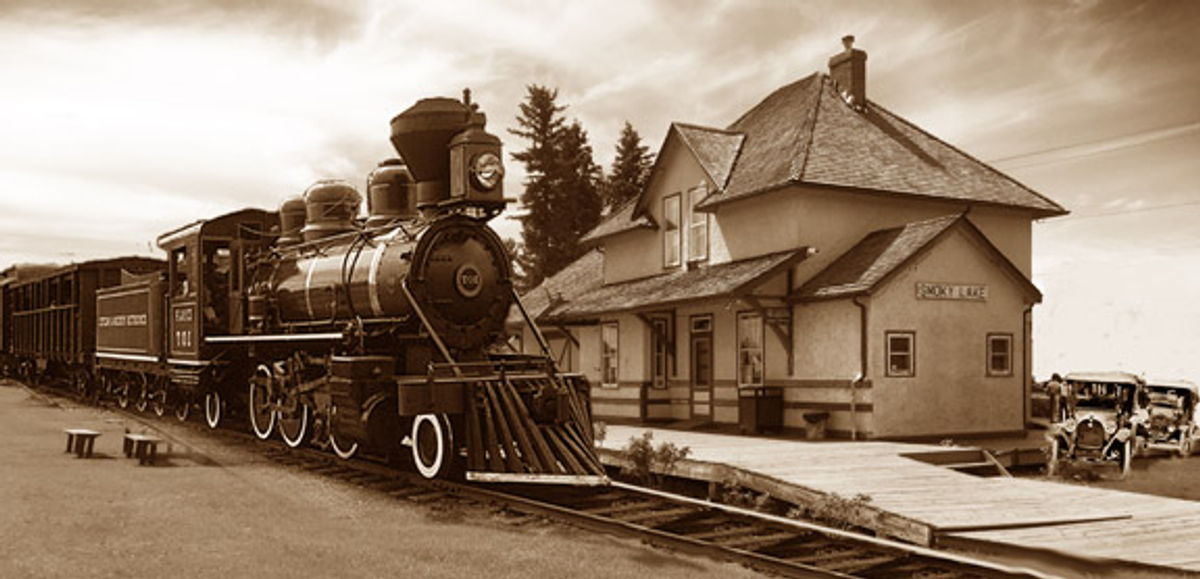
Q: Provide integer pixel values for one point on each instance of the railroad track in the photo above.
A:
(780, 545)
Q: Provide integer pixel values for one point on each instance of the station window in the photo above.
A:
(609, 355)
(750, 350)
(672, 215)
(999, 355)
(660, 340)
(901, 353)
(697, 225)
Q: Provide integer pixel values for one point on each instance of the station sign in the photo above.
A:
(951, 291)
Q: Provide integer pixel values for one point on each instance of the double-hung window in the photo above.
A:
(697, 225)
(999, 355)
(901, 353)
(750, 349)
(609, 355)
(672, 240)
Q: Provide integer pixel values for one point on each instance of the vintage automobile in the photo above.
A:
(1171, 420)
(1104, 416)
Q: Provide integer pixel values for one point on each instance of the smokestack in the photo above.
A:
(848, 69)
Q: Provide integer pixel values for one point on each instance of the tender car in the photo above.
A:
(1171, 420)
(1104, 416)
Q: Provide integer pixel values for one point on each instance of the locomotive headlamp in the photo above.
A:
(487, 171)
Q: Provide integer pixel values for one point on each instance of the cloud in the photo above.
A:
(322, 23)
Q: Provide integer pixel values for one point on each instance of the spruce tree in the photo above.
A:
(629, 172)
(560, 196)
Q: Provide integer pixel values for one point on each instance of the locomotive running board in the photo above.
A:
(550, 479)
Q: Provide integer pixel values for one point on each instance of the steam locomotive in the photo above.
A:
(375, 335)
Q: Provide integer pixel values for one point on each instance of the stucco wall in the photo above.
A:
(833, 221)
(827, 340)
(951, 391)
(640, 253)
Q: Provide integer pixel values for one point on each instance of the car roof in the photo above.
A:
(1172, 383)
(1106, 377)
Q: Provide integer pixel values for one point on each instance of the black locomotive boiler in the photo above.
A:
(377, 334)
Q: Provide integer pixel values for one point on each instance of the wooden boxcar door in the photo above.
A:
(702, 367)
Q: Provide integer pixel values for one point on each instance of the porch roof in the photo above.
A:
(726, 279)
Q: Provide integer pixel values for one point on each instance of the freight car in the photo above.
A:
(374, 334)
(49, 317)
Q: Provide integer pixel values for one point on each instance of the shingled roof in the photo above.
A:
(715, 149)
(619, 221)
(806, 133)
(672, 288)
(583, 275)
(881, 253)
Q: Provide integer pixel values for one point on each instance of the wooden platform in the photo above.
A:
(932, 505)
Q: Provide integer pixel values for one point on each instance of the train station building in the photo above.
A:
(820, 260)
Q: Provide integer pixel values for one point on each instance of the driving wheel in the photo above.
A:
(212, 408)
(262, 408)
(432, 445)
(294, 423)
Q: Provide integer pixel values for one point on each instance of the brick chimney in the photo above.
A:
(848, 69)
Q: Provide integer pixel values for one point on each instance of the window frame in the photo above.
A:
(660, 358)
(672, 236)
(697, 221)
(911, 371)
(610, 361)
(762, 349)
(991, 353)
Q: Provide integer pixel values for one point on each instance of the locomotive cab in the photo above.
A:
(205, 268)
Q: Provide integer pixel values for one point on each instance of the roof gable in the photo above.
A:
(874, 260)
(715, 150)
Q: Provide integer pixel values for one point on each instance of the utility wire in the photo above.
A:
(1097, 147)
(1074, 217)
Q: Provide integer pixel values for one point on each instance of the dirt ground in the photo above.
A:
(1158, 474)
(216, 511)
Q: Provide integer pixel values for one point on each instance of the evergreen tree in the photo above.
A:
(560, 195)
(629, 172)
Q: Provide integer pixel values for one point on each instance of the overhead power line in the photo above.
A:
(1076, 217)
(1097, 147)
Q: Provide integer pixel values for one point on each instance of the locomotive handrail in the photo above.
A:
(537, 332)
(432, 332)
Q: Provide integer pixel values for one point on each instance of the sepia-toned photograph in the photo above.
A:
(624, 289)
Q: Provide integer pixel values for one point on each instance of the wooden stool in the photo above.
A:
(82, 440)
(142, 446)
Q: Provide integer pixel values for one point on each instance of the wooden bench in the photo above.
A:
(82, 440)
(142, 446)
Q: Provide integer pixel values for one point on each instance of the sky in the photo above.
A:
(123, 119)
